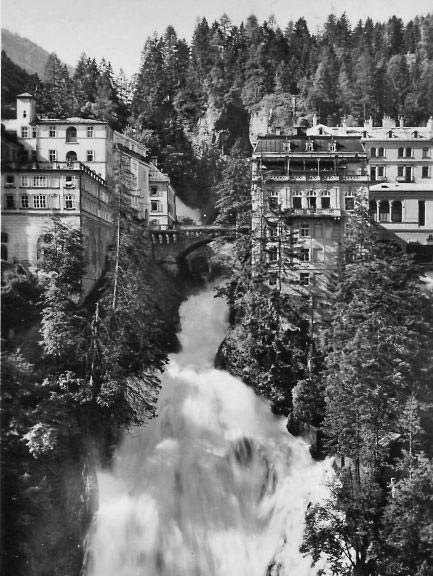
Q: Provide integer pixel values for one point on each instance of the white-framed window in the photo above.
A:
(155, 206)
(39, 201)
(373, 152)
(90, 132)
(326, 199)
(287, 146)
(426, 152)
(154, 191)
(304, 278)
(40, 181)
(71, 134)
(52, 132)
(332, 146)
(309, 146)
(69, 202)
(25, 181)
(24, 131)
(70, 181)
(52, 155)
(24, 201)
(381, 152)
(304, 230)
(349, 201)
(311, 198)
(90, 155)
(381, 171)
(10, 181)
(304, 255)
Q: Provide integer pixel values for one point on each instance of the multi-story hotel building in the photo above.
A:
(72, 168)
(401, 179)
(304, 190)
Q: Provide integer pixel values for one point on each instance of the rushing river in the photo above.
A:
(215, 485)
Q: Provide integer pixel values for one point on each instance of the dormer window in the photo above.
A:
(320, 131)
(390, 134)
(309, 146)
(287, 147)
(415, 134)
(333, 146)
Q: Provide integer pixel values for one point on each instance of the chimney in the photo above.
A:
(401, 121)
(430, 125)
(314, 120)
(369, 123)
(277, 130)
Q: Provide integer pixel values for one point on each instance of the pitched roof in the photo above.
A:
(278, 145)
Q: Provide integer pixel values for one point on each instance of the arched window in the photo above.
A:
(381, 152)
(71, 134)
(396, 211)
(384, 211)
(373, 152)
(373, 209)
(311, 197)
(71, 156)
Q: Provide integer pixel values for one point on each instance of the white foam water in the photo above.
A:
(215, 485)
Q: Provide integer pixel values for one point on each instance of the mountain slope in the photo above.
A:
(26, 54)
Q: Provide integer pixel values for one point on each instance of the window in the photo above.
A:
(24, 201)
(349, 201)
(25, 182)
(155, 206)
(10, 202)
(52, 131)
(272, 255)
(287, 147)
(309, 146)
(90, 132)
(272, 231)
(24, 132)
(71, 156)
(396, 211)
(39, 201)
(426, 172)
(332, 147)
(373, 209)
(304, 279)
(373, 152)
(400, 171)
(273, 203)
(384, 211)
(297, 202)
(381, 152)
(311, 199)
(408, 152)
(381, 171)
(39, 181)
(273, 279)
(69, 202)
(426, 152)
(400, 152)
(70, 181)
(52, 155)
(304, 255)
(90, 155)
(34, 132)
(326, 202)
(10, 181)
(304, 230)
(24, 113)
(4, 245)
(154, 191)
(421, 212)
(71, 134)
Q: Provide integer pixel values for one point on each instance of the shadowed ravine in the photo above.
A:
(215, 486)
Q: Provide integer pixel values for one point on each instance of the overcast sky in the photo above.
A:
(117, 29)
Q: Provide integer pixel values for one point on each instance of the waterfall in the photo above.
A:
(215, 485)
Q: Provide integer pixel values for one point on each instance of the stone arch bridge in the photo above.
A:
(171, 247)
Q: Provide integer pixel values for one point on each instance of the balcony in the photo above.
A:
(317, 212)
